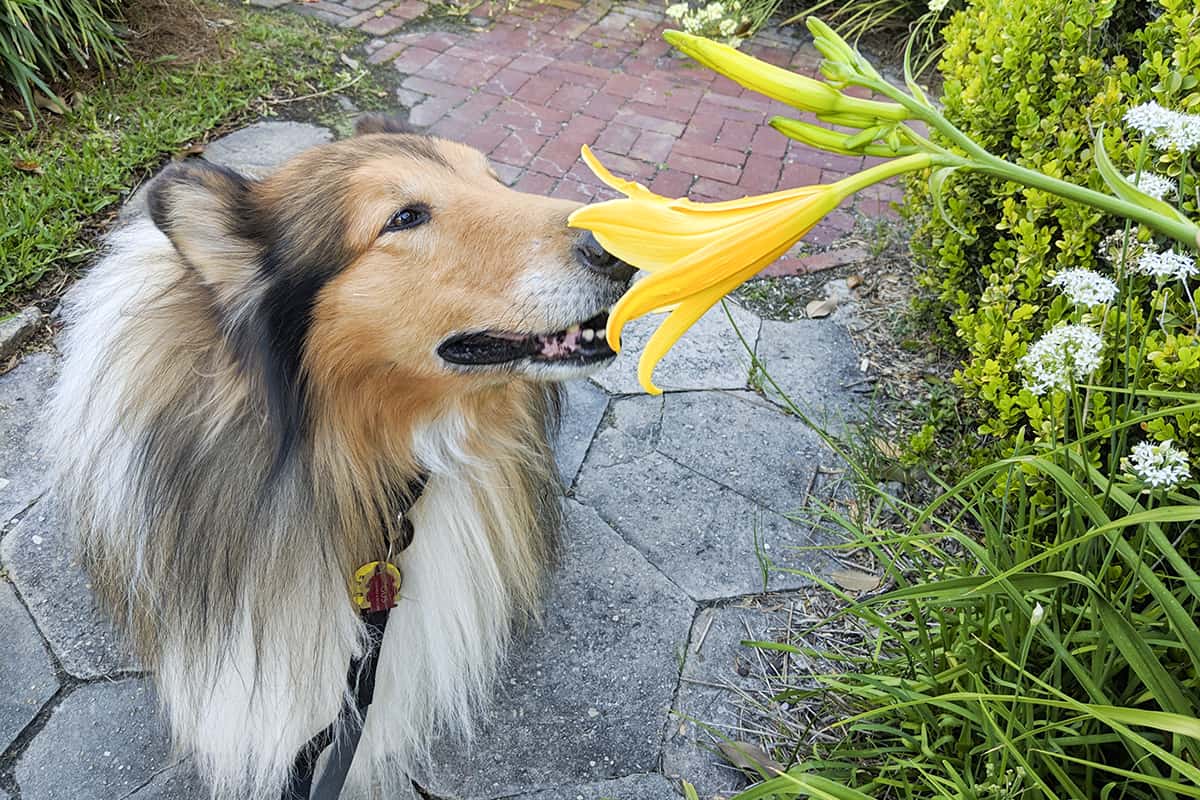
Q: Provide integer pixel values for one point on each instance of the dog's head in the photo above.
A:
(392, 253)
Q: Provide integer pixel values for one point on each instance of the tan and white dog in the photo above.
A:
(254, 372)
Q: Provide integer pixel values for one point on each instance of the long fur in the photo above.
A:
(228, 566)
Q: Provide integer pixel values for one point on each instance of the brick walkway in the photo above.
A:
(534, 83)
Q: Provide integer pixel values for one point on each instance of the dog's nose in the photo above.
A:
(589, 253)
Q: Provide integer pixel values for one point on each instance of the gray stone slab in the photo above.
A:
(585, 405)
(41, 562)
(259, 148)
(26, 672)
(815, 363)
(708, 356)
(102, 742)
(23, 465)
(178, 782)
(712, 540)
(583, 697)
(740, 441)
(16, 329)
(634, 787)
(720, 692)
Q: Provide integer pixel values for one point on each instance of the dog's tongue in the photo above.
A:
(557, 345)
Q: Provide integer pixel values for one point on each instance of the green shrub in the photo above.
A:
(41, 40)
(1032, 82)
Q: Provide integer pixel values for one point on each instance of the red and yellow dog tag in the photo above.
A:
(376, 586)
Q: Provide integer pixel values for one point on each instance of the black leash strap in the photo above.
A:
(345, 731)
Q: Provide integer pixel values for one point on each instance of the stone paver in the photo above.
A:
(101, 743)
(583, 695)
(257, 149)
(634, 787)
(177, 782)
(711, 539)
(25, 670)
(583, 410)
(22, 465)
(15, 330)
(814, 363)
(40, 560)
(708, 356)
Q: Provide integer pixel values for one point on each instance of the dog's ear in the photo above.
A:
(381, 123)
(205, 210)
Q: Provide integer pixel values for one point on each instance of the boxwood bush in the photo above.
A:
(1033, 82)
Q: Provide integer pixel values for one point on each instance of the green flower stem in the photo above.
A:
(981, 160)
(898, 166)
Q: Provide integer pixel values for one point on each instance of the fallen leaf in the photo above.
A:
(854, 281)
(51, 104)
(348, 61)
(855, 580)
(750, 758)
(885, 448)
(27, 166)
(816, 309)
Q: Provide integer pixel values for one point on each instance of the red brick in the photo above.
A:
(528, 117)
(795, 175)
(627, 116)
(439, 40)
(768, 142)
(662, 112)
(876, 209)
(528, 62)
(760, 174)
(360, 5)
(622, 85)
(431, 110)
(627, 168)
(459, 71)
(824, 160)
(725, 173)
(671, 183)
(716, 191)
(568, 189)
(485, 138)
(409, 9)
(538, 89)
(707, 108)
(472, 52)
(723, 86)
(518, 149)
(437, 89)
(386, 53)
(618, 138)
(412, 59)
(689, 146)
(747, 109)
(570, 98)
(570, 77)
(604, 106)
(506, 83)
(508, 174)
(835, 225)
(652, 147)
(534, 183)
(332, 8)
(736, 135)
(381, 26)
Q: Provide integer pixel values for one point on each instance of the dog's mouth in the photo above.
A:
(581, 344)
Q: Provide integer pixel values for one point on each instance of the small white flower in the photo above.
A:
(1160, 465)
(1038, 614)
(1148, 118)
(1064, 352)
(1170, 129)
(727, 27)
(938, 5)
(1084, 287)
(1114, 248)
(1156, 186)
(1166, 265)
(677, 11)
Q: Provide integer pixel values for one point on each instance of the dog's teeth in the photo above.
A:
(588, 335)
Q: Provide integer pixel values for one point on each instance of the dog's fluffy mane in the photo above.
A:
(225, 556)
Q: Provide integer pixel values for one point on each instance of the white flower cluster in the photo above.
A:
(1084, 287)
(1156, 186)
(1164, 265)
(1170, 129)
(1063, 353)
(1115, 245)
(716, 18)
(1160, 465)
(937, 6)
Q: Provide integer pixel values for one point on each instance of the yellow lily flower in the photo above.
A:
(696, 253)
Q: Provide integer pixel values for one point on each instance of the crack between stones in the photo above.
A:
(150, 780)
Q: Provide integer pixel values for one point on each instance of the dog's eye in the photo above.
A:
(405, 218)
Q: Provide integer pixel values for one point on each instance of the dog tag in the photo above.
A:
(377, 586)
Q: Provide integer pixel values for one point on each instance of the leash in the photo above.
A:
(376, 589)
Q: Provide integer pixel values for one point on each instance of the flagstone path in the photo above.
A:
(682, 534)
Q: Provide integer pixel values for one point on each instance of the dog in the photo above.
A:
(256, 372)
